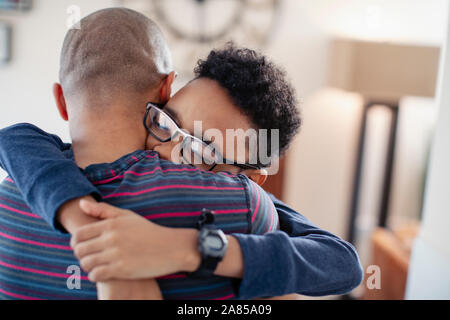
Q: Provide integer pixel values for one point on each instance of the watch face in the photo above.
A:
(214, 242)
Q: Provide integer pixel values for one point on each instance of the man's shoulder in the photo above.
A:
(263, 214)
(144, 174)
(11, 200)
(261, 211)
(148, 166)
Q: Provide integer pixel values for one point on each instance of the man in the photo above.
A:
(120, 135)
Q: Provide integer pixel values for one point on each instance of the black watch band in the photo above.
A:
(207, 268)
(211, 255)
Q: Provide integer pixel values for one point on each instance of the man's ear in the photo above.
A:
(257, 176)
(165, 93)
(60, 101)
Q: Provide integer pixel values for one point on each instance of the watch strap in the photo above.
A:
(207, 267)
(208, 264)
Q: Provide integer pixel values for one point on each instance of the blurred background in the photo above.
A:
(367, 78)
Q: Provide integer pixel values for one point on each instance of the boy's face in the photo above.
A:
(206, 101)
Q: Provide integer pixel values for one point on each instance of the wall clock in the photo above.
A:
(194, 27)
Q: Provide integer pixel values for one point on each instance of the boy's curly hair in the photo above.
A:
(258, 87)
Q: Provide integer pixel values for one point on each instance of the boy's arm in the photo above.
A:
(310, 261)
(301, 258)
(31, 157)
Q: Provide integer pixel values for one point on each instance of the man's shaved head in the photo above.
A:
(116, 52)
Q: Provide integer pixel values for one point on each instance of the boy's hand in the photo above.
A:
(125, 245)
(129, 290)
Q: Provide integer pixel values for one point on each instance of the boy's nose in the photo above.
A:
(167, 150)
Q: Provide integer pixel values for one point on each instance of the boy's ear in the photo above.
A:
(60, 101)
(258, 176)
(165, 92)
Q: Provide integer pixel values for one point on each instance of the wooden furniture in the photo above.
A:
(391, 252)
(275, 183)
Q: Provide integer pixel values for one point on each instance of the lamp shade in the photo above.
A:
(384, 71)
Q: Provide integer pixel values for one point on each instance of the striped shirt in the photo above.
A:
(36, 261)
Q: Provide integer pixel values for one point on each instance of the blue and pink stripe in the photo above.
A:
(34, 257)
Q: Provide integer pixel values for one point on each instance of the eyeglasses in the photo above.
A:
(193, 150)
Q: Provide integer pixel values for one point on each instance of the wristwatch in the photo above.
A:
(212, 245)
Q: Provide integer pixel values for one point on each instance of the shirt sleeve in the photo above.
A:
(263, 216)
(300, 258)
(30, 155)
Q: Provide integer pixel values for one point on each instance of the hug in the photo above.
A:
(138, 201)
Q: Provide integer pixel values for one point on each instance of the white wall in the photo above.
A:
(420, 22)
(321, 161)
(417, 122)
(429, 276)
